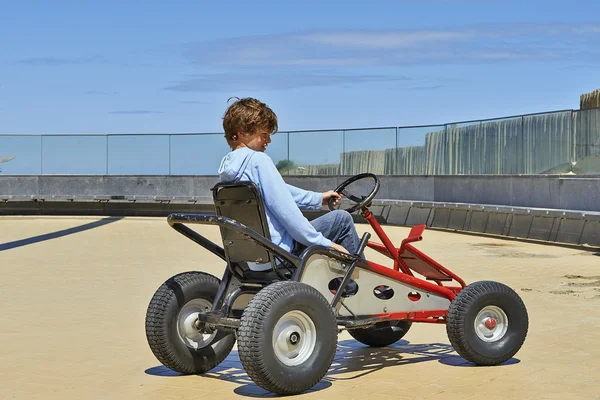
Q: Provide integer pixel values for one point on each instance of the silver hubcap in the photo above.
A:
(491, 324)
(294, 338)
(186, 324)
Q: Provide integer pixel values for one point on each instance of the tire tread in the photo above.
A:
(157, 327)
(251, 329)
(457, 313)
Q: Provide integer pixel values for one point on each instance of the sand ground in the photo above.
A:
(74, 294)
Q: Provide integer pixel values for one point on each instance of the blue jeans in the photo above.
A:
(337, 226)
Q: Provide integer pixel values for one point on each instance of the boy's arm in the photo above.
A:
(280, 201)
(306, 199)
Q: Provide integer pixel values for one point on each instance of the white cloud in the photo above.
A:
(341, 57)
(59, 61)
(514, 55)
(589, 29)
(135, 112)
(354, 48)
(273, 80)
(386, 39)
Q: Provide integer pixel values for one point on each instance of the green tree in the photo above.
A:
(285, 165)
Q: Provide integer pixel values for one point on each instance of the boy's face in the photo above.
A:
(257, 141)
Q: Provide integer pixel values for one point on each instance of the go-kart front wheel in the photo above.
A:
(287, 337)
(487, 323)
(170, 324)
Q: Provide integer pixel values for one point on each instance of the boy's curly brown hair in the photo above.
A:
(247, 116)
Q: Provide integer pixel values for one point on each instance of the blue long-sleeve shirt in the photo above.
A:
(282, 201)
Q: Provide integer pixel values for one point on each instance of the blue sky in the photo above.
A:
(169, 67)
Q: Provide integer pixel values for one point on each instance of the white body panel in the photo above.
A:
(320, 270)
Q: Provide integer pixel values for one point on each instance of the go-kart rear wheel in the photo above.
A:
(170, 324)
(381, 336)
(287, 337)
(487, 323)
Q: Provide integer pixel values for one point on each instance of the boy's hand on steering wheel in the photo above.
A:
(327, 195)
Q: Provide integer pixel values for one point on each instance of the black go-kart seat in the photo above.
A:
(242, 202)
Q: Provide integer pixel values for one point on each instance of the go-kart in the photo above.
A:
(286, 318)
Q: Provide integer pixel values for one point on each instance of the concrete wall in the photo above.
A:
(44, 186)
(558, 226)
(535, 191)
(541, 207)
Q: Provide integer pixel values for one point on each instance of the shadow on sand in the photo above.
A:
(57, 234)
(353, 360)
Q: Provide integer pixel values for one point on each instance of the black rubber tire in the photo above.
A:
(161, 325)
(386, 335)
(255, 336)
(461, 317)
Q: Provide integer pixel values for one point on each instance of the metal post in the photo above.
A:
(107, 136)
(523, 150)
(342, 163)
(41, 154)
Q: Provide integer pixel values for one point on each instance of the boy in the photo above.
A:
(248, 125)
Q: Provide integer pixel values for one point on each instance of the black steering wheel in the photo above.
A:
(360, 201)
